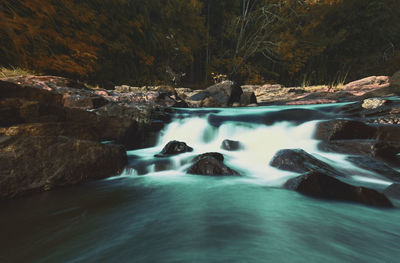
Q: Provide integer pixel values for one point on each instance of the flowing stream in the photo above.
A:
(155, 212)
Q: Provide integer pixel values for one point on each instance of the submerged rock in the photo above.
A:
(210, 164)
(31, 164)
(230, 145)
(299, 161)
(320, 185)
(174, 148)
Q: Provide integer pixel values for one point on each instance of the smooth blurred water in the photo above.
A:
(170, 216)
(195, 219)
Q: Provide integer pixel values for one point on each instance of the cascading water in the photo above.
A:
(261, 132)
(156, 212)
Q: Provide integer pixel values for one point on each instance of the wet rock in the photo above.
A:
(393, 191)
(230, 145)
(210, 164)
(370, 164)
(388, 133)
(320, 185)
(382, 150)
(173, 148)
(215, 155)
(299, 161)
(340, 129)
(30, 164)
(360, 147)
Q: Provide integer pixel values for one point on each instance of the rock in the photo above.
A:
(370, 164)
(311, 102)
(215, 155)
(183, 92)
(248, 98)
(173, 148)
(9, 113)
(30, 164)
(395, 79)
(230, 145)
(210, 102)
(393, 191)
(210, 164)
(359, 147)
(373, 103)
(84, 101)
(362, 86)
(297, 91)
(250, 88)
(267, 88)
(340, 129)
(386, 150)
(225, 92)
(320, 185)
(199, 96)
(45, 96)
(81, 131)
(299, 161)
(388, 133)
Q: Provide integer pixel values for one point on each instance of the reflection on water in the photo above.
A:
(148, 219)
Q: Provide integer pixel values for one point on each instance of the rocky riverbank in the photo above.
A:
(56, 132)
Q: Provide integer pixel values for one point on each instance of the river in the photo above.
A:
(149, 214)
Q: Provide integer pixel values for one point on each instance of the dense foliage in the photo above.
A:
(152, 41)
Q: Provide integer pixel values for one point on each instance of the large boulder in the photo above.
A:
(174, 148)
(340, 129)
(210, 164)
(225, 92)
(320, 185)
(299, 161)
(30, 164)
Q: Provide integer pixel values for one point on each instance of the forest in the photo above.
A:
(187, 42)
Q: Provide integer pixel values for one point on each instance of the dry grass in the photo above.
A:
(14, 72)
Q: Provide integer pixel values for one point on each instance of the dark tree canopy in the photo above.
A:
(151, 41)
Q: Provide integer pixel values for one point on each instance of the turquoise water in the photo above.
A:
(169, 216)
(152, 219)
